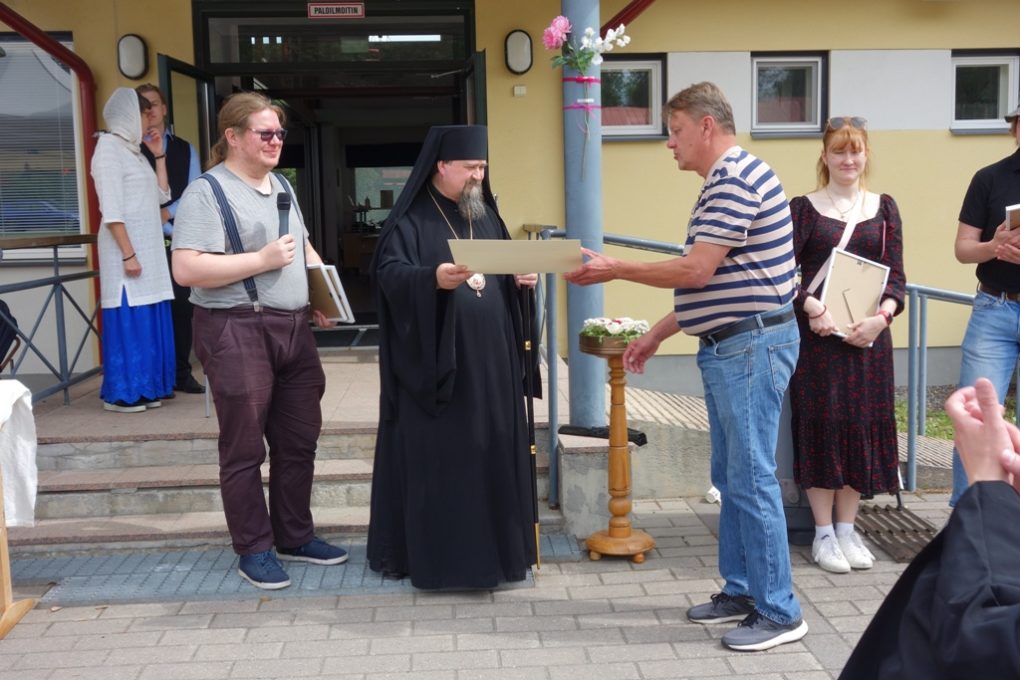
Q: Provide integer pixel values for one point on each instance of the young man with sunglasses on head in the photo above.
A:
(990, 345)
(250, 290)
(733, 288)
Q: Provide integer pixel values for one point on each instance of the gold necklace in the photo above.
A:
(842, 213)
(475, 282)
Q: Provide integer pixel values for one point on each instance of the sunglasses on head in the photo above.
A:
(267, 135)
(842, 121)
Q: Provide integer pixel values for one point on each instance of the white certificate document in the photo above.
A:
(491, 256)
(853, 288)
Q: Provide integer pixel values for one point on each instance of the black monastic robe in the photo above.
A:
(452, 495)
(955, 611)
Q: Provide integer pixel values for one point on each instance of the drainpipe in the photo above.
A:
(582, 170)
(626, 15)
(86, 102)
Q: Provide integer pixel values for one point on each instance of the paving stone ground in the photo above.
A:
(575, 619)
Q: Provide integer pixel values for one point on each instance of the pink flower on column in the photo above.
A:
(554, 36)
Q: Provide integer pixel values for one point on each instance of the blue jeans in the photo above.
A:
(745, 378)
(990, 350)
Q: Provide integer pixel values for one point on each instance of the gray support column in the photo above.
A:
(582, 170)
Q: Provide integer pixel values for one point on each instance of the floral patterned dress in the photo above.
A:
(843, 398)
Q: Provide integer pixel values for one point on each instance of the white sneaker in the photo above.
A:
(857, 554)
(826, 553)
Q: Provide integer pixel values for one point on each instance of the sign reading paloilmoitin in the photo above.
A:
(336, 10)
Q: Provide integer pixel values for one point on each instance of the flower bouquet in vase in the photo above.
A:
(610, 336)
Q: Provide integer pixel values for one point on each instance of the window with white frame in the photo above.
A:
(632, 96)
(38, 143)
(787, 92)
(984, 90)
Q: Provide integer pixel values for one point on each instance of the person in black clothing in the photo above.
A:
(182, 168)
(990, 347)
(452, 495)
(955, 611)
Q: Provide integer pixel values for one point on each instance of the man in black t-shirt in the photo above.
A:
(990, 347)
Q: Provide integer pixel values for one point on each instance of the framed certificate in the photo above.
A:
(853, 288)
(1013, 216)
(326, 293)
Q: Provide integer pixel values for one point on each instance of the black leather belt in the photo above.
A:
(988, 290)
(744, 325)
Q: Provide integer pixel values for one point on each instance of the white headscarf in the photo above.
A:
(124, 118)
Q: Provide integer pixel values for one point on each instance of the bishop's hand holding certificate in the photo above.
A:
(853, 288)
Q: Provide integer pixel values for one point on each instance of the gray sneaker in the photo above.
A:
(722, 609)
(757, 632)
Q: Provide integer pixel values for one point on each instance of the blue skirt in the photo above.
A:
(138, 352)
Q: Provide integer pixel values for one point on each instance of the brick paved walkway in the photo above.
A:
(578, 619)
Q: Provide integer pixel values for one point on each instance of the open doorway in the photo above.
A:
(360, 96)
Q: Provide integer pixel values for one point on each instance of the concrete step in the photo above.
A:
(184, 529)
(165, 492)
(155, 490)
(188, 450)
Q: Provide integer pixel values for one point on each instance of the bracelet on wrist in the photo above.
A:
(825, 308)
(887, 315)
(160, 156)
(128, 257)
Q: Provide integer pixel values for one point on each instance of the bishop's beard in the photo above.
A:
(471, 205)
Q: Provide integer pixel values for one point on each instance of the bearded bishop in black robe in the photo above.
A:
(452, 491)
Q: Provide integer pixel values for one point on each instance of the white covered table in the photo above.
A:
(18, 485)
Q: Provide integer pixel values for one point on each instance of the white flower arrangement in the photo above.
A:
(589, 52)
(623, 328)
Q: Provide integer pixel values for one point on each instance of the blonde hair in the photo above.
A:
(234, 114)
(700, 100)
(848, 136)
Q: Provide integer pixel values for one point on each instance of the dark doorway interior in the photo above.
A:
(360, 96)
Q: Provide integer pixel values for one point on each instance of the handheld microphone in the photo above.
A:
(283, 205)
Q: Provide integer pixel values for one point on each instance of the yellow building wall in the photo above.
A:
(644, 195)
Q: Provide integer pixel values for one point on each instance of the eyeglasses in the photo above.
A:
(267, 135)
(842, 121)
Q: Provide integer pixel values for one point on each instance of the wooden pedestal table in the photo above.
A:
(620, 538)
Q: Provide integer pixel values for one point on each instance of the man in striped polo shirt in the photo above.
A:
(733, 289)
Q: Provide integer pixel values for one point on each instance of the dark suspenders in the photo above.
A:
(230, 226)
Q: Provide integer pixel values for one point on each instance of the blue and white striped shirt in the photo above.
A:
(742, 205)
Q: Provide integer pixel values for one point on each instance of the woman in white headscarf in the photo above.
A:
(138, 348)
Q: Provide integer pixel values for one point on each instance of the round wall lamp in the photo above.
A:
(517, 50)
(132, 56)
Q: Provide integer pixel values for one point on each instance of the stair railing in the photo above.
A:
(917, 348)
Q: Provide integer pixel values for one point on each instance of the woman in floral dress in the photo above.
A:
(842, 393)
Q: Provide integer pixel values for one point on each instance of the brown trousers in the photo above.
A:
(266, 380)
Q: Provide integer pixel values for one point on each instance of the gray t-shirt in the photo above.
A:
(199, 226)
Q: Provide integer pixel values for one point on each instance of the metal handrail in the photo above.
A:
(917, 364)
(917, 354)
(57, 293)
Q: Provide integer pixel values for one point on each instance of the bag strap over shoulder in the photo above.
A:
(230, 226)
(848, 231)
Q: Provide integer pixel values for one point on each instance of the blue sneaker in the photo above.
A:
(316, 551)
(263, 570)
